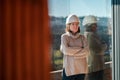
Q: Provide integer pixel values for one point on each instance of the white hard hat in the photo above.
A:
(89, 19)
(72, 18)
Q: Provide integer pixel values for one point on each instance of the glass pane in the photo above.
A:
(58, 12)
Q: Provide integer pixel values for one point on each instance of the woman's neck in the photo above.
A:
(73, 33)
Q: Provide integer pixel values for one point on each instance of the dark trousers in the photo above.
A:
(73, 77)
(99, 75)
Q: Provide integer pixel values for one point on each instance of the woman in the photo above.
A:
(97, 48)
(75, 49)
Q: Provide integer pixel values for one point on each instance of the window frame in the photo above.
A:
(115, 40)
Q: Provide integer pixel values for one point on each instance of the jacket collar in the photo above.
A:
(73, 36)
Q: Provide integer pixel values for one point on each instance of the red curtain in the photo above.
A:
(25, 40)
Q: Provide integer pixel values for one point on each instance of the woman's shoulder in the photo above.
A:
(65, 34)
(82, 36)
(90, 34)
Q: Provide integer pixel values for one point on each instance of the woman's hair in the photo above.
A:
(67, 29)
(88, 27)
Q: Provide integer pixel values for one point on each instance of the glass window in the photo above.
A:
(60, 9)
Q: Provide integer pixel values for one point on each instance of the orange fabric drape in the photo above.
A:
(24, 40)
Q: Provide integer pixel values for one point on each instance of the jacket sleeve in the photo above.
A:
(85, 51)
(95, 44)
(65, 49)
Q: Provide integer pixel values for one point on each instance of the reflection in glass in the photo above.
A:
(58, 13)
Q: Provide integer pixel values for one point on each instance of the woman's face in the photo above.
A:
(94, 27)
(74, 27)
